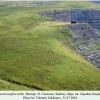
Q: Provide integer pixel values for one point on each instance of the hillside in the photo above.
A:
(32, 54)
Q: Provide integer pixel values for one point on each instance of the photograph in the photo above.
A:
(49, 45)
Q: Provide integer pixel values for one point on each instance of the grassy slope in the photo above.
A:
(33, 54)
(4, 85)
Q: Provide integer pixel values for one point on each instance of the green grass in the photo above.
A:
(71, 5)
(33, 54)
(4, 85)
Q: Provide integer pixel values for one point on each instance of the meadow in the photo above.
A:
(32, 55)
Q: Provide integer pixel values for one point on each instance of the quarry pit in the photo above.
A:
(84, 29)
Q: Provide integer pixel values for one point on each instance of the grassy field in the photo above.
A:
(32, 54)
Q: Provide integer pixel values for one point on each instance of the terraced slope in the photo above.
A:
(32, 53)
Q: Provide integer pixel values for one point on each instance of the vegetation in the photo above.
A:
(32, 52)
(4, 85)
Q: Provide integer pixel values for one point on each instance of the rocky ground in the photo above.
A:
(85, 41)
